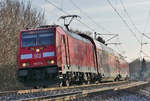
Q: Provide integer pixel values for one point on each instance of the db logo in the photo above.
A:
(38, 55)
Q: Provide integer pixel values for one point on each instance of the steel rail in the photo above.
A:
(74, 95)
(70, 87)
(32, 91)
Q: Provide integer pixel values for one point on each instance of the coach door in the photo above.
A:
(65, 52)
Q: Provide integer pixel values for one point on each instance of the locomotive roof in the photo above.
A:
(40, 27)
(77, 36)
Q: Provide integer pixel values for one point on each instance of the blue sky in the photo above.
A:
(102, 13)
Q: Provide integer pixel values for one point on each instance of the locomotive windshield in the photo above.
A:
(28, 40)
(46, 39)
(37, 38)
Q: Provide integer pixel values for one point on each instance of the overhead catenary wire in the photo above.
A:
(124, 21)
(90, 18)
(142, 34)
(146, 24)
(132, 22)
(144, 30)
(141, 51)
(60, 9)
(147, 21)
(121, 46)
(146, 54)
(93, 21)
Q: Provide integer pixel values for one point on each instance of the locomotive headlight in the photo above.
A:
(52, 61)
(37, 50)
(25, 64)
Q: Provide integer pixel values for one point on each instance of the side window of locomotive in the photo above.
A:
(63, 39)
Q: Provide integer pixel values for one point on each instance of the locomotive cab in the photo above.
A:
(37, 55)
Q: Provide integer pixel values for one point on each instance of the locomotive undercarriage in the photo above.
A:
(42, 76)
(45, 76)
(78, 78)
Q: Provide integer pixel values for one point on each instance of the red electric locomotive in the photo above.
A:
(50, 55)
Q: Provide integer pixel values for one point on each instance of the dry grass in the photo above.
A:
(8, 79)
(15, 15)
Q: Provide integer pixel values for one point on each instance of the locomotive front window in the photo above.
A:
(37, 38)
(28, 40)
(46, 39)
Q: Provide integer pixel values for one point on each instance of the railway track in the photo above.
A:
(139, 91)
(65, 93)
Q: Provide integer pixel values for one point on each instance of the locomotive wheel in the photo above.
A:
(117, 79)
(61, 84)
(67, 83)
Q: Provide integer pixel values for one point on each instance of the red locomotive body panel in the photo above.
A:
(70, 48)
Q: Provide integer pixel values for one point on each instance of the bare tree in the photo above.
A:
(14, 16)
